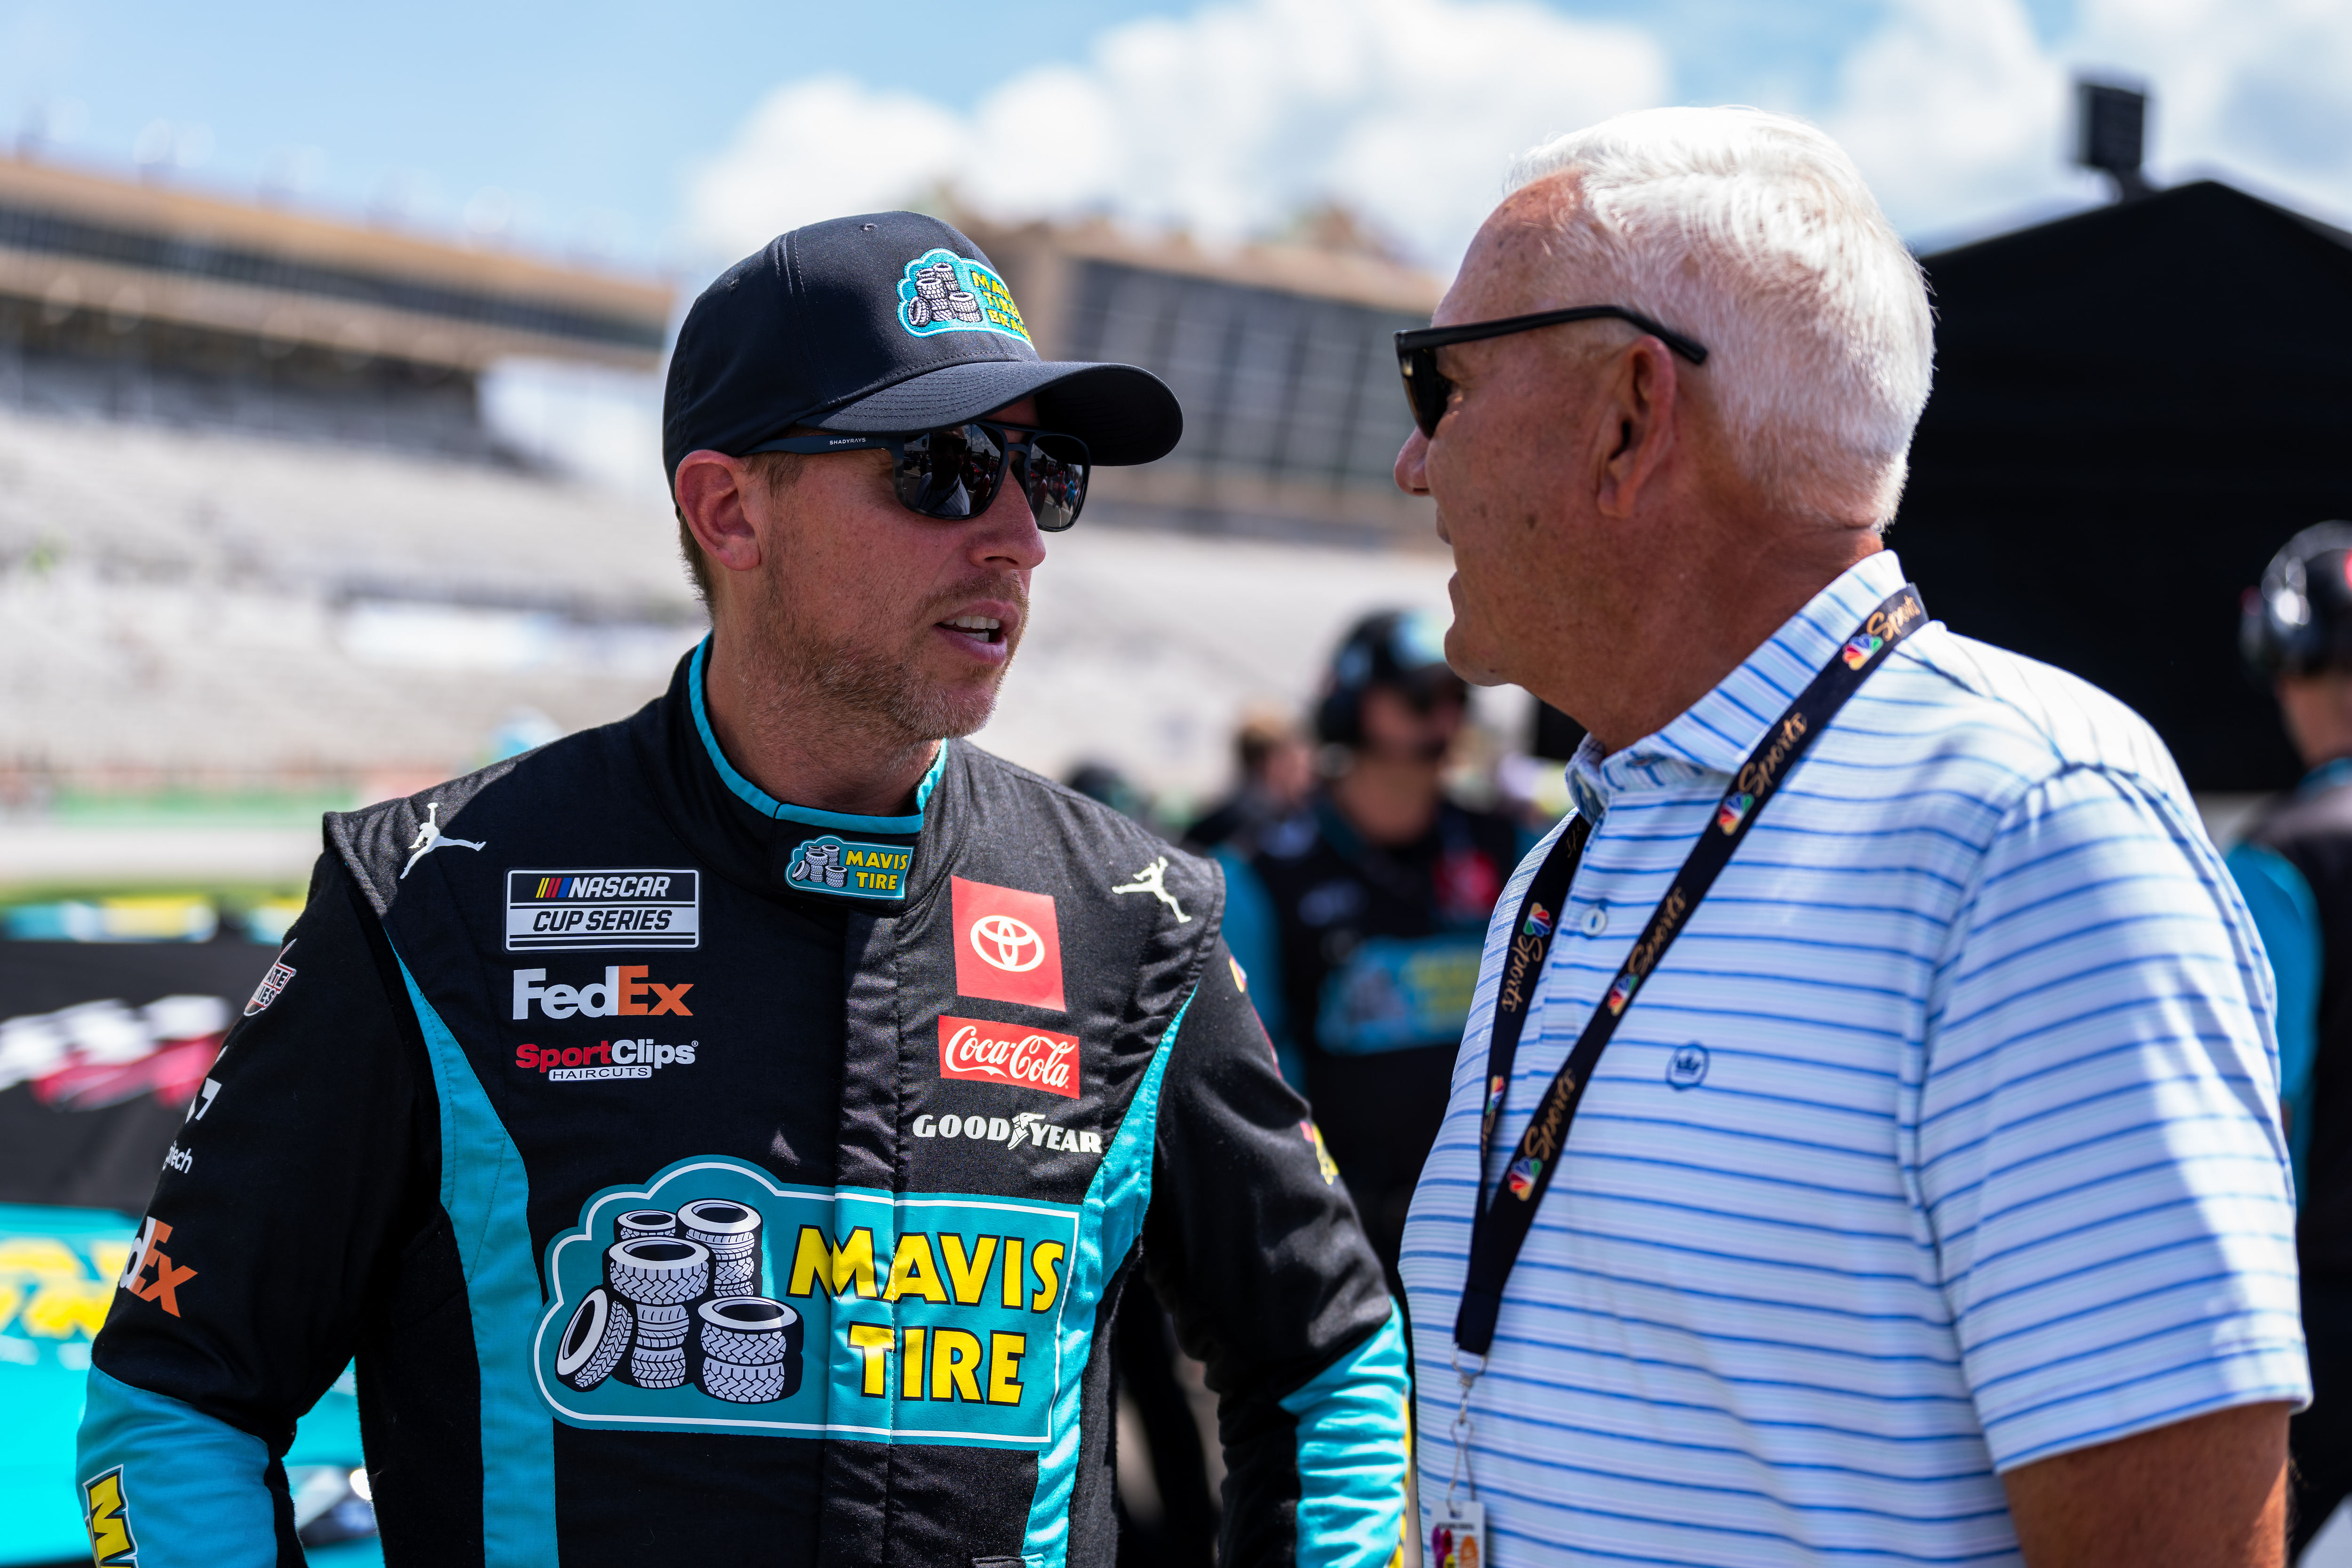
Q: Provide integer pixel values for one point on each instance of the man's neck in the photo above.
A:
(1388, 800)
(1675, 635)
(792, 745)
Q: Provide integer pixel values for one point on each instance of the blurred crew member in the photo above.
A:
(1278, 769)
(729, 1132)
(2295, 868)
(1359, 916)
(1865, 1146)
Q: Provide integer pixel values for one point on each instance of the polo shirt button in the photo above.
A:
(1596, 921)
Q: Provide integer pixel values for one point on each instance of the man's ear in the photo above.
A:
(1640, 427)
(713, 492)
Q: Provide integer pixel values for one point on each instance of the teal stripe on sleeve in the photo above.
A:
(2287, 916)
(1109, 1221)
(1352, 1456)
(486, 1193)
(175, 1488)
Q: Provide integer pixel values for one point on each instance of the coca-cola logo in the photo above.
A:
(1007, 943)
(986, 1052)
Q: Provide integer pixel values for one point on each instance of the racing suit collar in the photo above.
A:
(766, 805)
(854, 864)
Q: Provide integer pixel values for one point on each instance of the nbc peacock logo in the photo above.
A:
(1539, 923)
(1622, 991)
(1522, 1176)
(1858, 652)
(1734, 810)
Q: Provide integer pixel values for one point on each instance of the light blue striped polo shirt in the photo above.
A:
(1944, 1140)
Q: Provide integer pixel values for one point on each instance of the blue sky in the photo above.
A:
(675, 136)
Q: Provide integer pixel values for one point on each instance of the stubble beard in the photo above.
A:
(878, 692)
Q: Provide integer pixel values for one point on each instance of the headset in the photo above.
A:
(1401, 649)
(2299, 621)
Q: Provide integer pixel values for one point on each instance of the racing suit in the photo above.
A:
(693, 1175)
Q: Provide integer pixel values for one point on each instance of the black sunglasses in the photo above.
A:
(1428, 390)
(951, 473)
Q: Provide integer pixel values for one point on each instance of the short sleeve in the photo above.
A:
(2098, 1148)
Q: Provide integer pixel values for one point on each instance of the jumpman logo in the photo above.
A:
(1153, 879)
(430, 837)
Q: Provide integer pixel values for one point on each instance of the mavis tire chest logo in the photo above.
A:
(943, 292)
(576, 910)
(848, 869)
(1008, 945)
(715, 1299)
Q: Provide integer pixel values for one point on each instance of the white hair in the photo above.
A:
(1754, 233)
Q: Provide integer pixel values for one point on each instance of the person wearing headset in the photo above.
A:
(1359, 916)
(2295, 868)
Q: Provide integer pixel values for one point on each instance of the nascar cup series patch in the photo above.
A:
(944, 293)
(602, 909)
(714, 1297)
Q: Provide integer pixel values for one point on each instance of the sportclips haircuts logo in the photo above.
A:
(1008, 945)
(625, 992)
(985, 1052)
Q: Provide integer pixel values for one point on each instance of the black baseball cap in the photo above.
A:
(886, 323)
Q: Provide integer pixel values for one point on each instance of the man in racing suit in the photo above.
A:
(728, 1132)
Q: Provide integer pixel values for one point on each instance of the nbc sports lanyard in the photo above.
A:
(1499, 1227)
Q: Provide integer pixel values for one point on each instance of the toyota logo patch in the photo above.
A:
(1008, 945)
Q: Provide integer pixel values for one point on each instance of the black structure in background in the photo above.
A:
(105, 1155)
(2133, 408)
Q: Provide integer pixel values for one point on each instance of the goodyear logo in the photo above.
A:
(715, 1298)
(849, 869)
(607, 908)
(943, 292)
(107, 1517)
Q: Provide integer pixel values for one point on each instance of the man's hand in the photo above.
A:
(2205, 1493)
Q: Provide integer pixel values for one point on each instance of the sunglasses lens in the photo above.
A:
(950, 474)
(1056, 471)
(1423, 388)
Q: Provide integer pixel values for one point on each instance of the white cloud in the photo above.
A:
(1226, 122)
(1230, 121)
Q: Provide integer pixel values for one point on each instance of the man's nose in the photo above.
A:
(1006, 535)
(1412, 464)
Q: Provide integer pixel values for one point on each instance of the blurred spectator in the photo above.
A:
(1278, 769)
(1358, 914)
(2295, 868)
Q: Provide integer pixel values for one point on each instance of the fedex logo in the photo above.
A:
(1008, 946)
(624, 990)
(983, 1052)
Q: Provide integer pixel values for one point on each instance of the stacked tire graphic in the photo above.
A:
(731, 1232)
(750, 1349)
(660, 1276)
(680, 1306)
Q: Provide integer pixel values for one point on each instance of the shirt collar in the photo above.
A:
(2326, 775)
(1715, 733)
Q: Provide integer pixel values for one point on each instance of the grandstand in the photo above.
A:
(260, 551)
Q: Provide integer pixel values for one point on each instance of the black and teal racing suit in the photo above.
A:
(693, 1177)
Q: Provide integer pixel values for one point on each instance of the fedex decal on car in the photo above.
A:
(986, 1052)
(626, 990)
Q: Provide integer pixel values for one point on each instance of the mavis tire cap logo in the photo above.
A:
(983, 1052)
(943, 292)
(1008, 945)
(106, 1516)
(575, 910)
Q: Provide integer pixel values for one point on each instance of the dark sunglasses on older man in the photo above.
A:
(952, 473)
(1429, 392)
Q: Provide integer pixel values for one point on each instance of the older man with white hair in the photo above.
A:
(1865, 1147)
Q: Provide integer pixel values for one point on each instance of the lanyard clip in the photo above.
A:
(1469, 1376)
